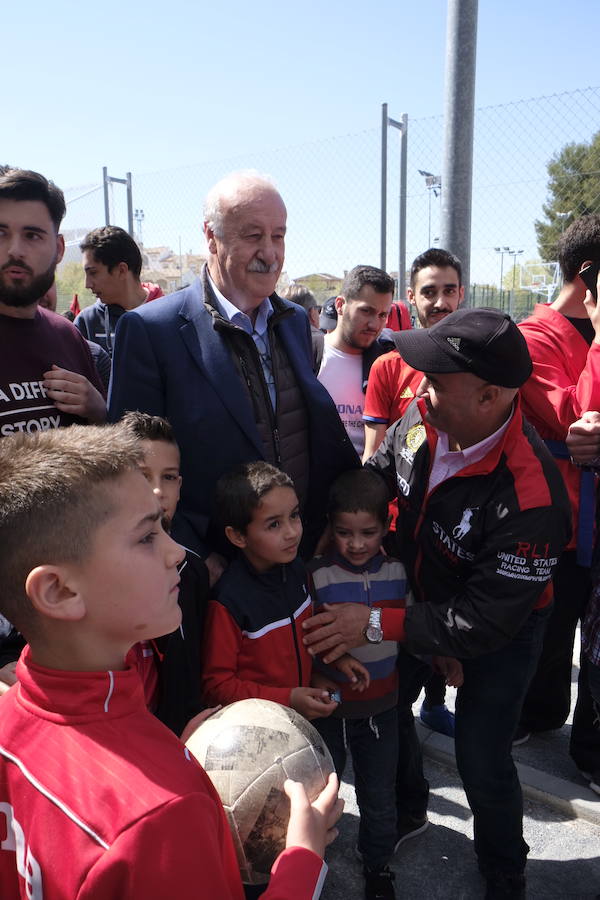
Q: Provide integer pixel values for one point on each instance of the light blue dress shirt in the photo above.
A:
(258, 332)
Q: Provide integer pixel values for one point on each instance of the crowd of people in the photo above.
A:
(223, 494)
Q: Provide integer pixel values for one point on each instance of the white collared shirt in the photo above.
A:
(447, 463)
(258, 331)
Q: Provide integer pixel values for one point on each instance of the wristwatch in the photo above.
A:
(374, 632)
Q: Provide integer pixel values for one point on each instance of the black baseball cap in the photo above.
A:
(328, 316)
(485, 342)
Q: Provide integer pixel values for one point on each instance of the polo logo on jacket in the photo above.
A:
(464, 526)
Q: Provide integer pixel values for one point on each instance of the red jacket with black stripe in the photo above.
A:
(253, 634)
(481, 547)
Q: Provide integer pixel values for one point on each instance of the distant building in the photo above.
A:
(321, 284)
(167, 268)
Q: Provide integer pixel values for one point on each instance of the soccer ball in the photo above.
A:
(248, 749)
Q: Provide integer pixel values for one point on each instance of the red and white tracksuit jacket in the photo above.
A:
(100, 801)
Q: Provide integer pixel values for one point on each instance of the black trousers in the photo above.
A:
(412, 788)
(548, 699)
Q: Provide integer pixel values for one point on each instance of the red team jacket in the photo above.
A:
(565, 383)
(99, 801)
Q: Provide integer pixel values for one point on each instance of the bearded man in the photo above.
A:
(47, 376)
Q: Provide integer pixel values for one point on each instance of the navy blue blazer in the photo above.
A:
(170, 361)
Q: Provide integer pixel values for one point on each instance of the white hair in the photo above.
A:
(227, 187)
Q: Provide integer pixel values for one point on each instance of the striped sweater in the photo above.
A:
(381, 583)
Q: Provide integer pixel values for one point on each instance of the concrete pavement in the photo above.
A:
(561, 825)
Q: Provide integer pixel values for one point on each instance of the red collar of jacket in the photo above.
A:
(62, 696)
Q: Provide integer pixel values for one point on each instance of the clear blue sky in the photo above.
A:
(154, 86)
(151, 86)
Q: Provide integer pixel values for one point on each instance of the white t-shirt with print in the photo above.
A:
(341, 374)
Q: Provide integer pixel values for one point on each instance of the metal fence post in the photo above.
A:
(110, 179)
(384, 132)
(106, 203)
(129, 204)
(402, 222)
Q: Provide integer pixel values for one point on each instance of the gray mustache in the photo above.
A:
(257, 265)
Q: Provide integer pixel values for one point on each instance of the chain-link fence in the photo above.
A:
(332, 191)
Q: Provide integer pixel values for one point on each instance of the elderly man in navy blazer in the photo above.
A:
(228, 363)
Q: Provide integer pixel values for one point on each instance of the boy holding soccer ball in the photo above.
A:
(98, 799)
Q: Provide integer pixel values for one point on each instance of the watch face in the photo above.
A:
(373, 634)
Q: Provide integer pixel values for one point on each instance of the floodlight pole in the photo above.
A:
(514, 254)
(139, 218)
(434, 184)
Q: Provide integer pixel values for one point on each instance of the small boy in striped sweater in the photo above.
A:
(366, 724)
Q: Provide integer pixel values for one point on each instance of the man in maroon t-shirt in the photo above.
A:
(47, 376)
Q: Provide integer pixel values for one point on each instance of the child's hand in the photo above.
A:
(312, 825)
(450, 668)
(312, 702)
(354, 671)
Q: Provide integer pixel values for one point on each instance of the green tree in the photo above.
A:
(70, 279)
(574, 190)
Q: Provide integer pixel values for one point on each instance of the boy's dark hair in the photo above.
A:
(580, 241)
(240, 491)
(22, 184)
(437, 257)
(359, 276)
(112, 245)
(53, 498)
(359, 490)
(149, 428)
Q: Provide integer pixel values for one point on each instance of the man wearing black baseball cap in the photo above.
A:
(483, 518)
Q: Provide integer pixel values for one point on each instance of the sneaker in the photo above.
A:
(379, 884)
(438, 718)
(409, 827)
(501, 886)
(594, 780)
(522, 735)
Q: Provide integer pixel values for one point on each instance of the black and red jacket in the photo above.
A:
(253, 634)
(481, 548)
